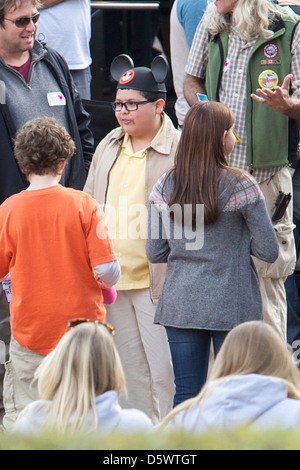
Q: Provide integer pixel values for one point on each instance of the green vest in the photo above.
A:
(272, 137)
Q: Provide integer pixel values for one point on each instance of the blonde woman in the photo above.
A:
(79, 383)
(253, 381)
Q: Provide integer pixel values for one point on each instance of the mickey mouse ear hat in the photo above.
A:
(140, 78)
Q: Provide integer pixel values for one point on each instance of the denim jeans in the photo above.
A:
(292, 293)
(190, 350)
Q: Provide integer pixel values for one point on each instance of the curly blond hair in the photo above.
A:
(250, 18)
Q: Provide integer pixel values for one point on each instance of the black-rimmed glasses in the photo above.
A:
(78, 321)
(25, 20)
(129, 106)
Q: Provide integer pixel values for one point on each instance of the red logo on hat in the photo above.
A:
(127, 77)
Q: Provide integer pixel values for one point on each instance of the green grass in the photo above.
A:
(237, 440)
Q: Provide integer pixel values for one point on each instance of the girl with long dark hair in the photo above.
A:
(205, 221)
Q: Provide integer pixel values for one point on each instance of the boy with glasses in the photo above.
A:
(124, 169)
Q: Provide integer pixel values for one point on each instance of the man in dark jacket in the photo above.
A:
(34, 82)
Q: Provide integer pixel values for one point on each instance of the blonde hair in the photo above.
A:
(250, 18)
(84, 364)
(250, 348)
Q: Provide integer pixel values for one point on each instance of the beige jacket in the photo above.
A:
(160, 157)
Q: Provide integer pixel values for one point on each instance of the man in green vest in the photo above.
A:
(246, 54)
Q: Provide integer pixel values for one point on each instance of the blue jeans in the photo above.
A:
(292, 293)
(190, 349)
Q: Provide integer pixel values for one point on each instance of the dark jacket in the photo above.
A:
(11, 179)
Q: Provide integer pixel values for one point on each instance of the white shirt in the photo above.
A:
(254, 400)
(111, 417)
(66, 27)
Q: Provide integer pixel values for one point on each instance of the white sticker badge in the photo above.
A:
(226, 65)
(56, 98)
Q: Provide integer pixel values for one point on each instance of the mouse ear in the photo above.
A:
(160, 69)
(120, 65)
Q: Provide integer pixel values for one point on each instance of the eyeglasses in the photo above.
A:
(25, 20)
(129, 106)
(78, 321)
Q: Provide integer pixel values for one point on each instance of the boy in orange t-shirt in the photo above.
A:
(55, 246)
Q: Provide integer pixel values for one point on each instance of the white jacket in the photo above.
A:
(111, 417)
(255, 400)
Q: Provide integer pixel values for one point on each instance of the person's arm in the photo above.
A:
(89, 186)
(5, 250)
(179, 50)
(107, 274)
(157, 245)
(264, 244)
(279, 99)
(196, 65)
(192, 86)
(83, 120)
(50, 3)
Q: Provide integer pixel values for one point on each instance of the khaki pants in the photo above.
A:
(144, 353)
(4, 343)
(19, 389)
(272, 276)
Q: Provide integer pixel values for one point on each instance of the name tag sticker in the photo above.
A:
(56, 98)
(226, 65)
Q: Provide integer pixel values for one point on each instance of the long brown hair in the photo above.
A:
(200, 156)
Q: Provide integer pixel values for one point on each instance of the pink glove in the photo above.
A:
(109, 295)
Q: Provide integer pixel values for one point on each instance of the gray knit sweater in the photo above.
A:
(212, 284)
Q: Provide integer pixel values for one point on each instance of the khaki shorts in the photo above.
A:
(19, 388)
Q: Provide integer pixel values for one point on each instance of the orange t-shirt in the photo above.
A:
(49, 241)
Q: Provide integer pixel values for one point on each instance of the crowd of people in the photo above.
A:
(149, 281)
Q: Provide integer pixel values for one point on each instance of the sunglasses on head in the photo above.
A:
(78, 321)
(25, 20)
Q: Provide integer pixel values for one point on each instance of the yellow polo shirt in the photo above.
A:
(126, 214)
